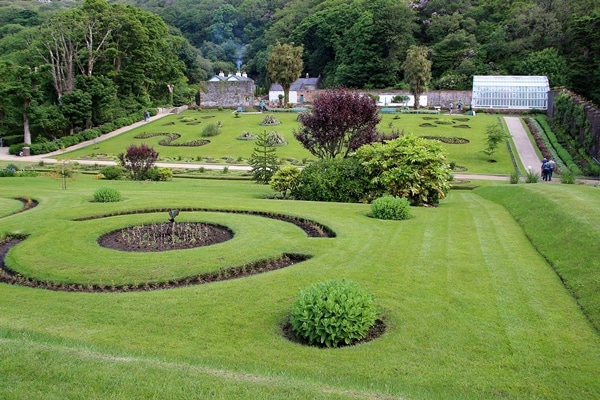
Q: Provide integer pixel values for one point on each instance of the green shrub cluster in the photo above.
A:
(390, 207)
(553, 141)
(8, 172)
(341, 180)
(573, 130)
(11, 170)
(159, 174)
(210, 130)
(333, 313)
(71, 140)
(113, 172)
(107, 195)
(285, 180)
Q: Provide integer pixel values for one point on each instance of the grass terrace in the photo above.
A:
(226, 149)
(469, 292)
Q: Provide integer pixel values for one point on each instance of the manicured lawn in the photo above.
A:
(8, 206)
(473, 309)
(225, 148)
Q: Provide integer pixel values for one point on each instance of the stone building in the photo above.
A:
(230, 91)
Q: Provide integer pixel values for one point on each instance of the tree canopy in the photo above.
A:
(284, 66)
(86, 66)
(417, 71)
(351, 43)
(340, 122)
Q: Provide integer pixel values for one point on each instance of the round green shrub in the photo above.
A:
(390, 207)
(210, 130)
(107, 195)
(161, 174)
(342, 180)
(112, 172)
(333, 313)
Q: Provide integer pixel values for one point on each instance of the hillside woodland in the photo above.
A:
(69, 65)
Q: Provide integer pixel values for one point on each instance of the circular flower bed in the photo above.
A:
(165, 236)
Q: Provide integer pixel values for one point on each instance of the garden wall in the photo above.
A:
(588, 131)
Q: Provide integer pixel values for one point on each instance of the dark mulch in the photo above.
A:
(376, 331)
(165, 236)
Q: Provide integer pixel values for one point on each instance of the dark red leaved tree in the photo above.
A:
(137, 160)
(340, 122)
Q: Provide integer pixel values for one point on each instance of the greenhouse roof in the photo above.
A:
(510, 92)
(510, 80)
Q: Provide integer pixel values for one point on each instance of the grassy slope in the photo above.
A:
(226, 145)
(563, 223)
(473, 311)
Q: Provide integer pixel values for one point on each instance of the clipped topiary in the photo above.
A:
(107, 195)
(333, 313)
(390, 207)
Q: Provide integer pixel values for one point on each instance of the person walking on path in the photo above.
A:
(549, 167)
(543, 170)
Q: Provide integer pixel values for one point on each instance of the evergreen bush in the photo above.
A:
(112, 172)
(159, 174)
(285, 180)
(210, 130)
(334, 179)
(333, 313)
(390, 207)
(107, 195)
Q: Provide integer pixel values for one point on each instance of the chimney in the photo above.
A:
(307, 75)
(221, 73)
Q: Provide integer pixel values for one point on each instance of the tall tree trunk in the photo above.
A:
(26, 131)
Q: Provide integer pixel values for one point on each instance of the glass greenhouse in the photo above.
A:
(506, 92)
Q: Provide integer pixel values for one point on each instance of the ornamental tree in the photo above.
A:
(409, 167)
(495, 136)
(263, 160)
(417, 71)
(138, 160)
(340, 122)
(284, 66)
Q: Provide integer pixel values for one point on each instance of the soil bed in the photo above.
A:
(165, 236)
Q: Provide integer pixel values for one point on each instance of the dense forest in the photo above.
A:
(68, 65)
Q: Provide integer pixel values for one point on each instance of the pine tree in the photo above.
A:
(263, 160)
